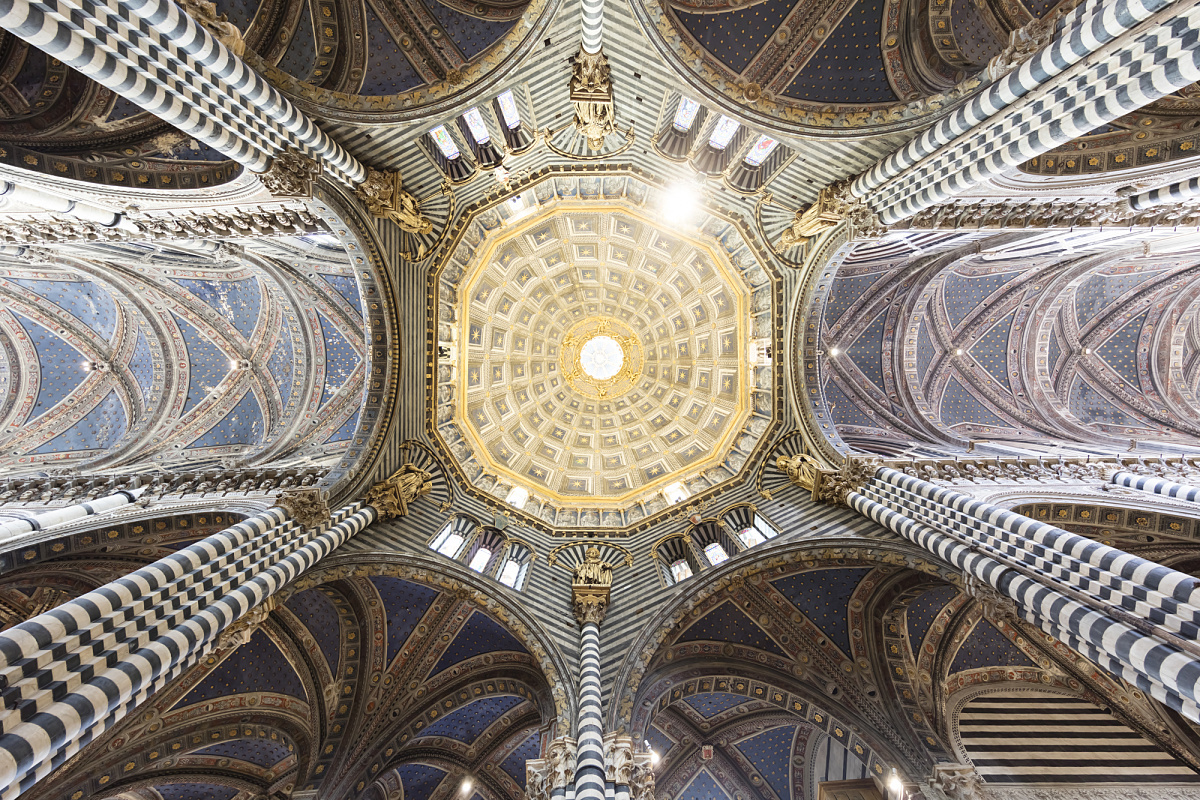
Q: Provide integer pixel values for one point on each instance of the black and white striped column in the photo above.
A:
(1128, 74)
(1148, 483)
(593, 25)
(1079, 34)
(155, 55)
(589, 758)
(14, 532)
(1134, 617)
(71, 673)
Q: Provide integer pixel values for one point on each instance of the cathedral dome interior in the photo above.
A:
(600, 400)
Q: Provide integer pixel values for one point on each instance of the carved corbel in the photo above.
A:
(591, 96)
(307, 506)
(391, 498)
(384, 196)
(243, 628)
(291, 175)
(996, 607)
(957, 781)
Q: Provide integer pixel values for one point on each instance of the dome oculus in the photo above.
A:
(601, 357)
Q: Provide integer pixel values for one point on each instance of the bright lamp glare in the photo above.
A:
(653, 757)
(679, 203)
(894, 782)
(466, 786)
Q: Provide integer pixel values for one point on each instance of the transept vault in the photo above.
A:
(592, 400)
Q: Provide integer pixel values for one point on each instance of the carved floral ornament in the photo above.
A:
(291, 174)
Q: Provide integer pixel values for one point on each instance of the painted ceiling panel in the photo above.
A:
(960, 406)
(32, 74)
(923, 610)
(734, 37)
(404, 603)
(301, 54)
(514, 765)
(1053, 352)
(237, 301)
(926, 351)
(141, 364)
(991, 351)
(243, 425)
(419, 780)
(466, 723)
(848, 66)
(1119, 351)
(823, 595)
(61, 366)
(659, 741)
(347, 287)
(703, 787)
(867, 350)
(971, 32)
(208, 365)
(728, 623)
(195, 791)
(87, 301)
(1091, 407)
(263, 752)
(771, 754)
(472, 35)
(1100, 291)
(346, 431)
(710, 704)
(481, 634)
(257, 666)
(341, 359)
(988, 647)
(388, 72)
(314, 608)
(962, 294)
(282, 367)
(845, 291)
(843, 410)
(103, 426)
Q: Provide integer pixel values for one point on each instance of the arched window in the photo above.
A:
(685, 115)
(715, 553)
(676, 560)
(714, 542)
(750, 527)
(723, 133)
(514, 565)
(680, 570)
(451, 538)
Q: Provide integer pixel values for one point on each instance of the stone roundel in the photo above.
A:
(595, 358)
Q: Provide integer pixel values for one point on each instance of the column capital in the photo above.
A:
(957, 781)
(834, 204)
(392, 497)
(242, 629)
(995, 606)
(291, 174)
(307, 506)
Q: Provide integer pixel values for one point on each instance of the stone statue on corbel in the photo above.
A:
(825, 485)
(590, 586)
(392, 497)
(242, 629)
(957, 781)
(834, 204)
(591, 96)
(384, 196)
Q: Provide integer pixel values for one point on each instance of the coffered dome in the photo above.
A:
(600, 360)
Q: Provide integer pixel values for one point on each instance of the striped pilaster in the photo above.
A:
(1148, 483)
(589, 758)
(1128, 74)
(1076, 601)
(1079, 34)
(69, 674)
(593, 25)
(155, 55)
(14, 533)
(1171, 193)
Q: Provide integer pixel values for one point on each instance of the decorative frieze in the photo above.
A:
(67, 487)
(250, 223)
(1001, 214)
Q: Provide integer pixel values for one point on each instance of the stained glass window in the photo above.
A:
(480, 560)
(681, 570)
(724, 131)
(475, 125)
(685, 115)
(508, 109)
(762, 148)
(751, 537)
(441, 137)
(715, 553)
